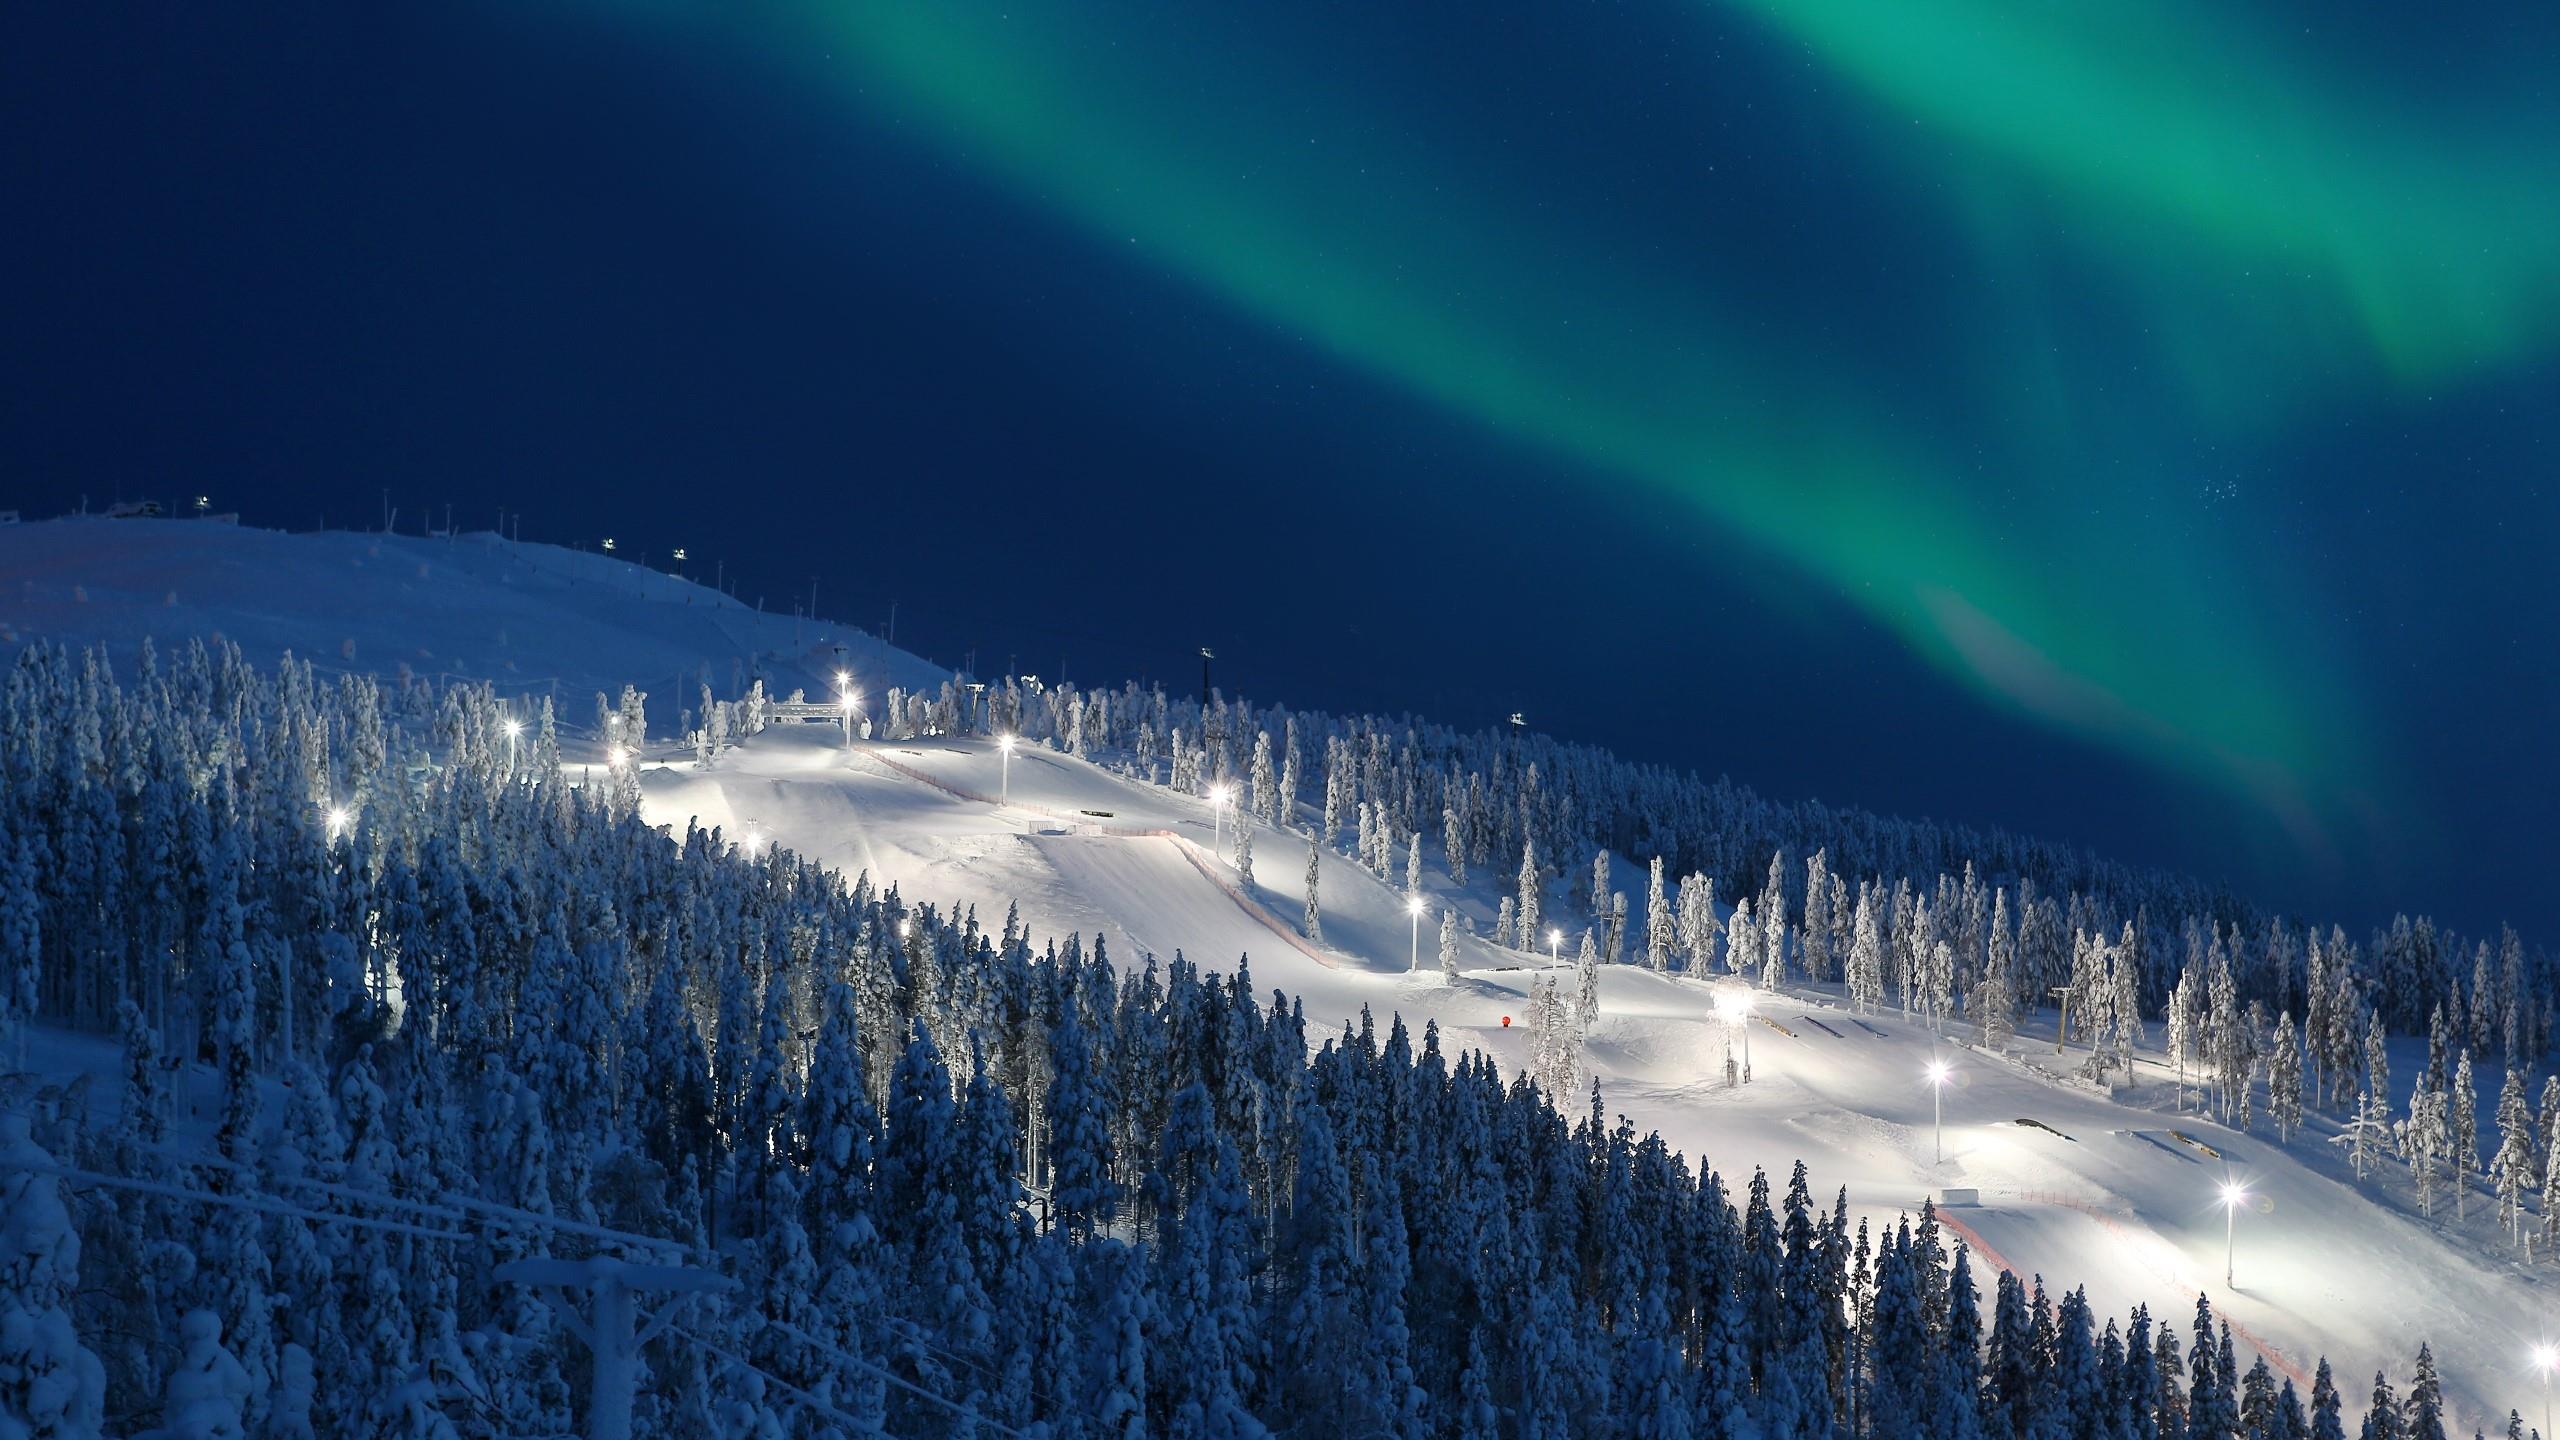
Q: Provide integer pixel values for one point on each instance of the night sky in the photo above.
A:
(2130, 421)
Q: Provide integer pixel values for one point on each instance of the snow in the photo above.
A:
(2107, 1196)
(528, 618)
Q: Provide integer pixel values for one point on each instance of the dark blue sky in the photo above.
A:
(820, 302)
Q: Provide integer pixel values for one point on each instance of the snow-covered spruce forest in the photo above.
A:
(1947, 922)
(404, 1015)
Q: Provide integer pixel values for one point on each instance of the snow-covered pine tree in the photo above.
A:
(1525, 913)
(1262, 782)
(1588, 965)
(2511, 986)
(2551, 1202)
(1993, 1004)
(1449, 945)
(50, 1382)
(1661, 936)
(1337, 788)
(2226, 1037)
(1315, 860)
(2000, 947)
(2088, 976)
(1700, 928)
(2316, 1000)
(1244, 853)
(2546, 1119)
(208, 1390)
(2348, 1016)
(2424, 1141)
(2425, 1412)
(1082, 1191)
(2124, 980)
(1285, 810)
(2100, 1021)
(1773, 947)
(1941, 973)
(1453, 834)
(2325, 1405)
(2182, 1036)
(2284, 1080)
(2377, 1065)
(1866, 952)
(1815, 940)
(2486, 1003)
(2365, 1134)
(21, 946)
(2512, 1168)
(2462, 1133)
(1773, 892)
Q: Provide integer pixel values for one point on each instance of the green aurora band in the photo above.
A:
(1438, 272)
(2433, 244)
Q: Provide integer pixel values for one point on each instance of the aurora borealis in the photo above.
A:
(2286, 246)
(2123, 421)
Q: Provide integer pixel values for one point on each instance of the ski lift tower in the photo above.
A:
(612, 1328)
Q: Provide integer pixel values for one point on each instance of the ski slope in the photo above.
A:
(2099, 1191)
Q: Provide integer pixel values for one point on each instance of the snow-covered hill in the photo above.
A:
(2119, 1192)
(528, 618)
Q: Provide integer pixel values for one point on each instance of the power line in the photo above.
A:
(459, 1208)
(803, 1396)
(857, 1362)
(242, 1202)
(905, 1329)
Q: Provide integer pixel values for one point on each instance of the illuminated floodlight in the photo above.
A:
(514, 728)
(2234, 1195)
(1939, 1073)
(338, 818)
(1413, 909)
(1734, 1003)
(2546, 1358)
(615, 757)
